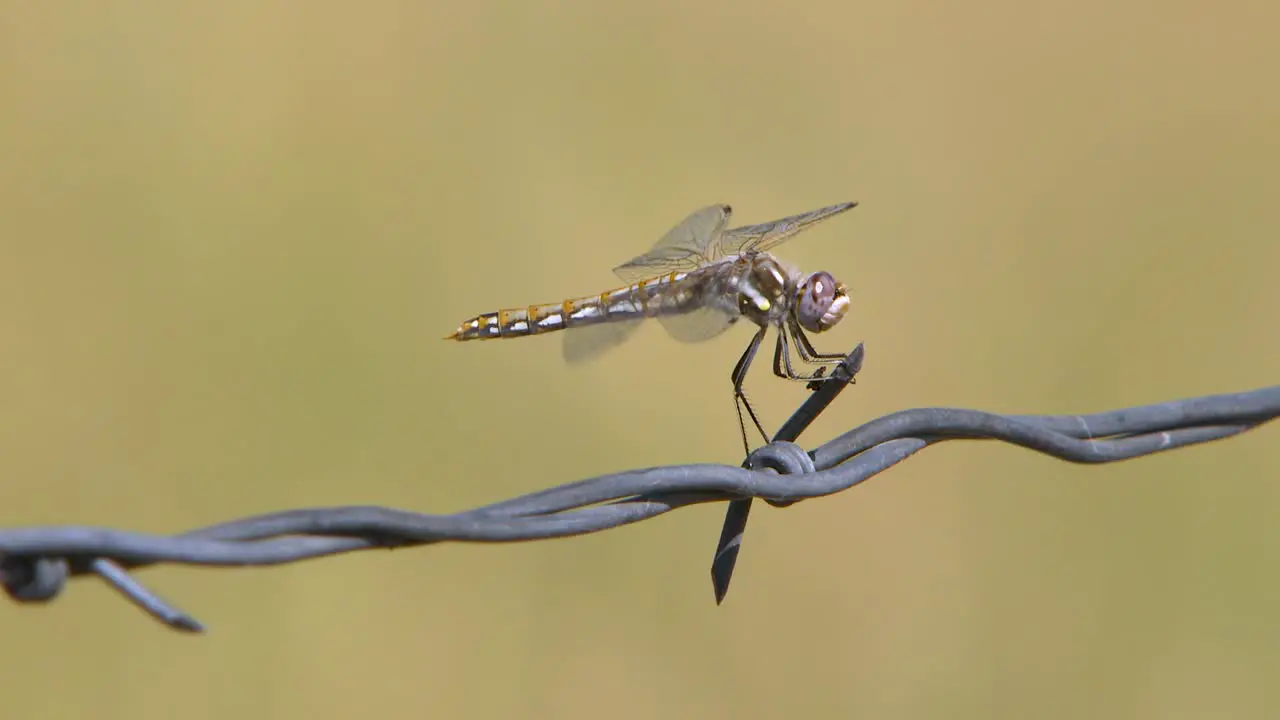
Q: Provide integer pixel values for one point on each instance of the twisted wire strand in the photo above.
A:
(36, 562)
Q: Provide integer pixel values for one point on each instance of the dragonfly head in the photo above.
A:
(820, 302)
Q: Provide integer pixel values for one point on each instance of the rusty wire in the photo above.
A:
(36, 562)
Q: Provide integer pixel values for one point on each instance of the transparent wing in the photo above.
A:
(583, 344)
(685, 247)
(704, 319)
(771, 234)
(698, 325)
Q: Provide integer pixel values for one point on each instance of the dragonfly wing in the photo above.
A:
(698, 325)
(685, 247)
(771, 234)
(583, 344)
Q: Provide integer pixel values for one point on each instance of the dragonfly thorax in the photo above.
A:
(768, 291)
(764, 289)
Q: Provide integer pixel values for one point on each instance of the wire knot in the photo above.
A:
(784, 458)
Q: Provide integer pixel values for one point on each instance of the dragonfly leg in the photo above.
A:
(782, 360)
(739, 397)
(805, 349)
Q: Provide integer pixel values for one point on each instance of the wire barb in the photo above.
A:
(734, 526)
(35, 562)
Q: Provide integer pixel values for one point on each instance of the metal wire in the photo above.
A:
(36, 562)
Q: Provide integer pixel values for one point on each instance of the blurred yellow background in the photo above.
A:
(234, 234)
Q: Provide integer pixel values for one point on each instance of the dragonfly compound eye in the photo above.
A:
(820, 302)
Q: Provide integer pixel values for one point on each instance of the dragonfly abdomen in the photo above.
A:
(648, 298)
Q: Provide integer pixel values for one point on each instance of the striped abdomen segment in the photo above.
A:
(649, 298)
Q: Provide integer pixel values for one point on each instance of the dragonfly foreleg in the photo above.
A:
(782, 360)
(805, 349)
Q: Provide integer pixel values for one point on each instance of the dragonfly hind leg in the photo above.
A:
(739, 376)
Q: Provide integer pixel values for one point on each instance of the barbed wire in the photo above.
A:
(36, 562)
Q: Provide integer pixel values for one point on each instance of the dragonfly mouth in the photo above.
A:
(839, 306)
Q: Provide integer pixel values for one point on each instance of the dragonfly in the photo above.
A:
(698, 281)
